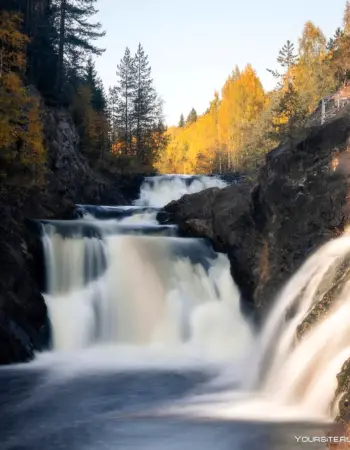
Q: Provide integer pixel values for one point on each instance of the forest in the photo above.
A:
(47, 54)
(47, 51)
(243, 122)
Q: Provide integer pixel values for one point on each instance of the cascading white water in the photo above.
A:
(161, 190)
(304, 373)
(131, 281)
(289, 378)
(117, 277)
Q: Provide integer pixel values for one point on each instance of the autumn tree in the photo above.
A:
(243, 99)
(339, 50)
(21, 137)
(217, 140)
(287, 113)
(313, 78)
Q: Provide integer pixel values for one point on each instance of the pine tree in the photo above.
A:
(146, 107)
(98, 100)
(182, 121)
(112, 115)
(192, 117)
(287, 57)
(76, 34)
(125, 106)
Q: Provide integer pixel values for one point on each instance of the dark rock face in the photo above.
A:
(225, 217)
(69, 172)
(268, 230)
(24, 326)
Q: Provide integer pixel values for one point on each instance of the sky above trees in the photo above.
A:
(194, 44)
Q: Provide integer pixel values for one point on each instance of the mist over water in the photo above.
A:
(149, 324)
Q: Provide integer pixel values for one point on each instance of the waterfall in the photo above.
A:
(304, 372)
(289, 377)
(161, 190)
(117, 277)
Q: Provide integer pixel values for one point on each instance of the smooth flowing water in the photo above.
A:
(150, 348)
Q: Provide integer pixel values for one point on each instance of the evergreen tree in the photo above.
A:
(98, 99)
(112, 115)
(182, 121)
(146, 106)
(192, 117)
(287, 57)
(76, 34)
(125, 106)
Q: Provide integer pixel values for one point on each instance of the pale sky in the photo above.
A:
(193, 45)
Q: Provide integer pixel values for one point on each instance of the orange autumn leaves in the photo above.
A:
(216, 139)
(245, 122)
(21, 136)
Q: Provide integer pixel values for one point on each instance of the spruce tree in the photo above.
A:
(182, 121)
(146, 107)
(287, 57)
(192, 117)
(112, 114)
(125, 90)
(76, 34)
(98, 99)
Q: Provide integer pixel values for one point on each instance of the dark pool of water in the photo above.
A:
(117, 411)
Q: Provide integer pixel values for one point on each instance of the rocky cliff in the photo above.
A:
(268, 230)
(69, 179)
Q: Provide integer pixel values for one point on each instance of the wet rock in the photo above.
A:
(342, 395)
(328, 297)
(225, 216)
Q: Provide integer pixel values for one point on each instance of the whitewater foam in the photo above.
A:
(161, 190)
(152, 302)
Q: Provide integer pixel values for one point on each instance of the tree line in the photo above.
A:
(244, 121)
(47, 51)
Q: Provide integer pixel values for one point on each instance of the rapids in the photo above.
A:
(147, 327)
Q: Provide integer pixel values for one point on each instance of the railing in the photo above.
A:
(331, 104)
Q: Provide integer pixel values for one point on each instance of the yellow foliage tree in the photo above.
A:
(217, 139)
(21, 134)
(312, 75)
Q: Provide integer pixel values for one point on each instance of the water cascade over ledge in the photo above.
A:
(118, 279)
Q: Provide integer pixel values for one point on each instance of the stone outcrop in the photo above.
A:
(268, 230)
(24, 325)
